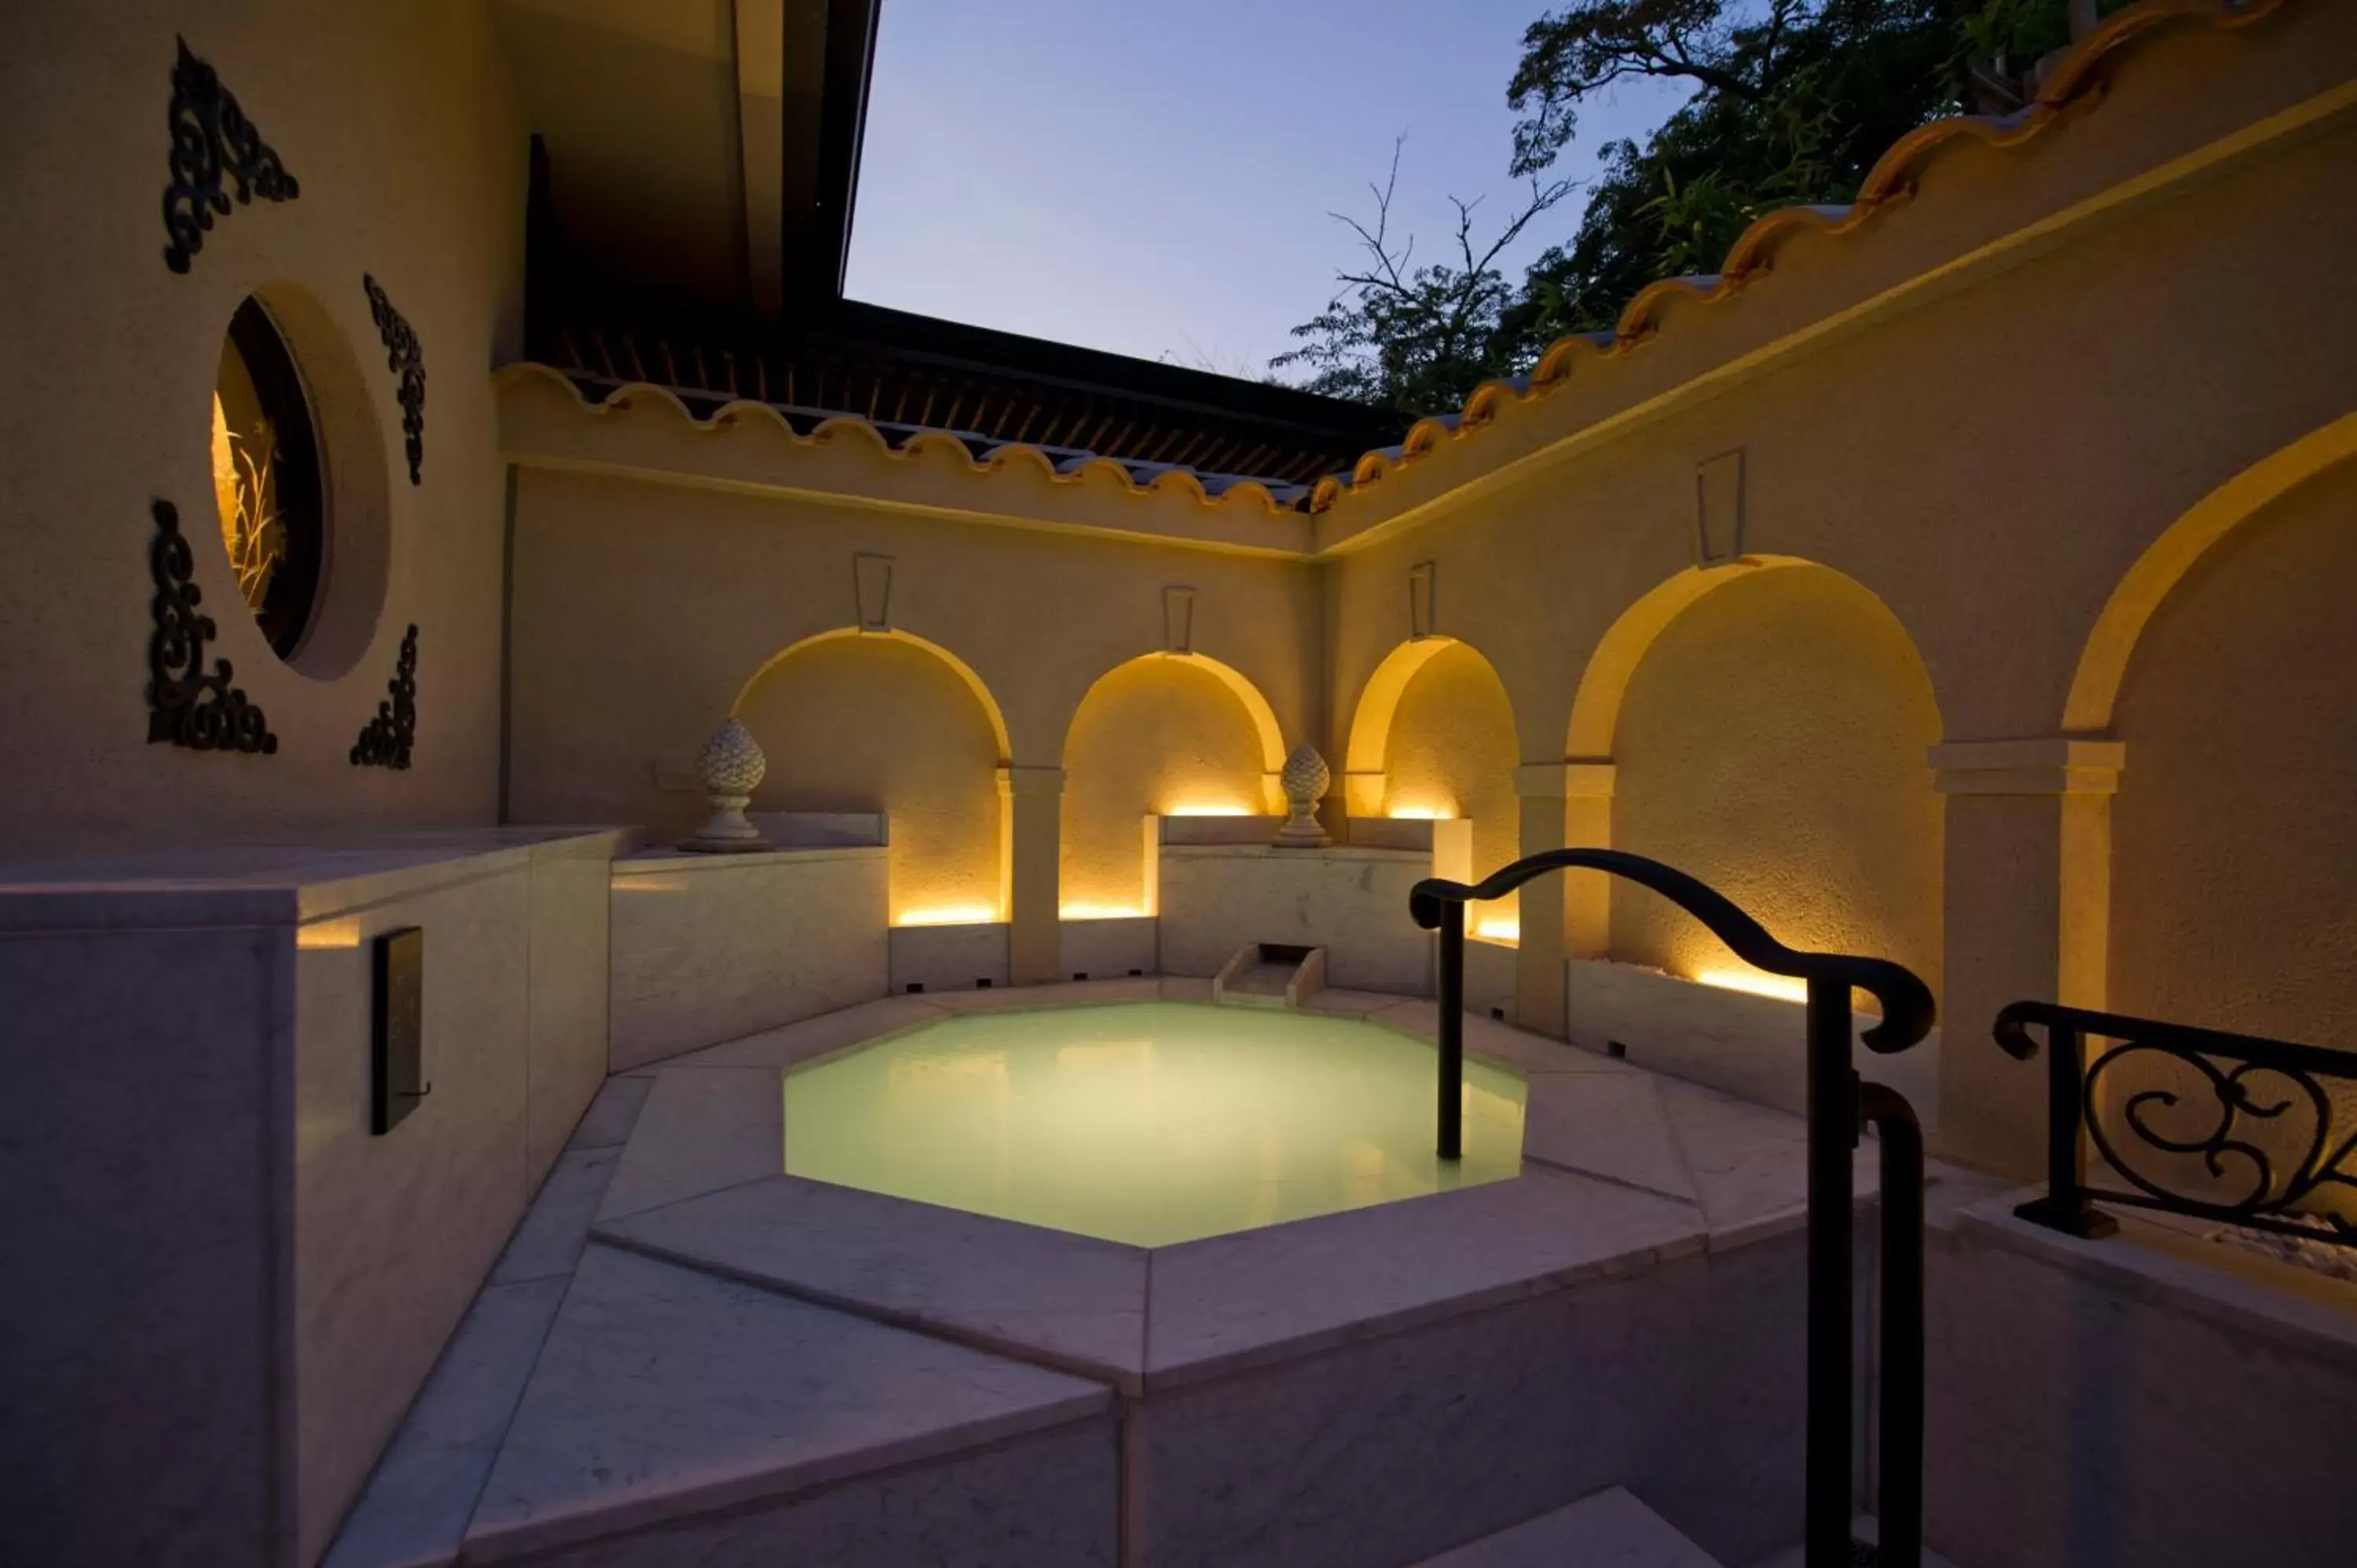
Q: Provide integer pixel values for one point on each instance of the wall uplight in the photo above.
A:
(1422, 813)
(1784, 988)
(947, 915)
(1208, 808)
(1099, 912)
(328, 934)
(1758, 983)
(1504, 929)
(650, 884)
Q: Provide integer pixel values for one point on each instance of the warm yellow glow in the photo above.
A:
(650, 884)
(1503, 930)
(1758, 983)
(1099, 912)
(252, 530)
(1422, 813)
(226, 500)
(1208, 808)
(339, 934)
(947, 915)
(1784, 988)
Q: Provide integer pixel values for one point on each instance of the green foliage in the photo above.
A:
(2023, 31)
(1810, 97)
(1794, 100)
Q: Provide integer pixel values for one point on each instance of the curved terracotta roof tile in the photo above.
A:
(1890, 182)
(979, 456)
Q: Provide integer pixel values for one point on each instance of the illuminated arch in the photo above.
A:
(973, 682)
(1854, 854)
(1256, 706)
(1158, 735)
(2103, 661)
(1370, 739)
(1595, 709)
(926, 885)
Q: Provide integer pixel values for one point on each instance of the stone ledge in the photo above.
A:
(2058, 765)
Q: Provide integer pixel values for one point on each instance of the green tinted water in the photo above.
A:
(1147, 1123)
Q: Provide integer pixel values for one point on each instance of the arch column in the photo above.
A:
(2026, 913)
(1538, 953)
(1031, 812)
(1564, 804)
(1588, 825)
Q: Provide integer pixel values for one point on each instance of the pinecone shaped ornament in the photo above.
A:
(1304, 778)
(731, 766)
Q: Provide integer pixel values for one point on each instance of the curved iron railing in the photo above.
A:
(2256, 1087)
(1838, 1104)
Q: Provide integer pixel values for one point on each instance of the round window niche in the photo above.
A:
(299, 470)
(266, 480)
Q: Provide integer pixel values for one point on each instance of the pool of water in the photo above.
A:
(1148, 1122)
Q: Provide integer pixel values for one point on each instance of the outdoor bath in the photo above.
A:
(1149, 1122)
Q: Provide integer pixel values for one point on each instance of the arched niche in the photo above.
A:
(2104, 663)
(1769, 726)
(2233, 838)
(1170, 733)
(887, 721)
(1434, 736)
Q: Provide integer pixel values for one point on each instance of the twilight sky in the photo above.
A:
(1153, 176)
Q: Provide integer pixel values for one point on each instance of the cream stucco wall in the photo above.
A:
(2232, 836)
(1772, 742)
(1452, 752)
(703, 585)
(878, 723)
(1158, 735)
(400, 124)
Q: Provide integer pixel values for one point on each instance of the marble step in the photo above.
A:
(1605, 1529)
(597, 1407)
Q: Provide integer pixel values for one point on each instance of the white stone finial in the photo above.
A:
(1304, 778)
(730, 765)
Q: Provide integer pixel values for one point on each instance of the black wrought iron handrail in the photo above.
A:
(1838, 1104)
(1908, 1012)
(2271, 1198)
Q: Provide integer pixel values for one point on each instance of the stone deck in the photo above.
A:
(685, 1355)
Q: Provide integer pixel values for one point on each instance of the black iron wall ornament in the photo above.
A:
(188, 705)
(386, 740)
(403, 355)
(211, 137)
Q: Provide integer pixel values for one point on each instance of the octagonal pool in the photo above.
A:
(1148, 1122)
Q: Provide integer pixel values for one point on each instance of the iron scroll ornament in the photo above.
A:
(1908, 1011)
(407, 359)
(187, 704)
(212, 138)
(386, 740)
(2255, 1086)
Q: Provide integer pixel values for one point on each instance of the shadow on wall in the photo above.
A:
(884, 721)
(1169, 734)
(2231, 837)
